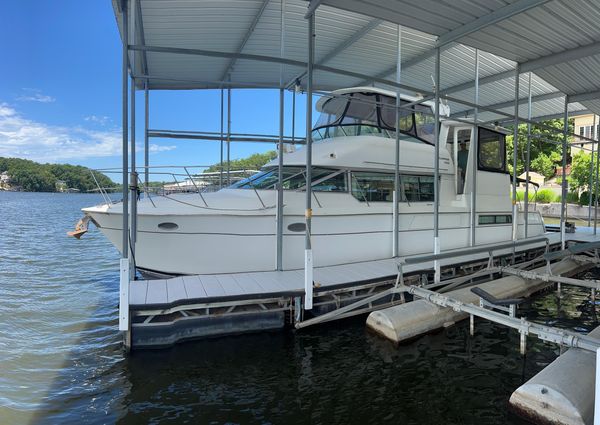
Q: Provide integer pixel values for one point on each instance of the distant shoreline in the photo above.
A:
(23, 175)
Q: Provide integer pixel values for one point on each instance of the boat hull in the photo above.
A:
(203, 244)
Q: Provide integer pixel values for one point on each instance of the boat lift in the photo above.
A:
(576, 251)
(503, 311)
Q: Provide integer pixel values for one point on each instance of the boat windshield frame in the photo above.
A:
(373, 118)
(320, 174)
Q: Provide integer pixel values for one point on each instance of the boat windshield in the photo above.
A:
(373, 114)
(294, 178)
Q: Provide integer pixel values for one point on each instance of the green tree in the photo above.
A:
(546, 164)
(34, 177)
(253, 162)
(579, 179)
(545, 142)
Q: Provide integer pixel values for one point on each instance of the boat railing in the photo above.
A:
(165, 180)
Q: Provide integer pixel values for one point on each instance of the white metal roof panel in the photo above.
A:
(361, 37)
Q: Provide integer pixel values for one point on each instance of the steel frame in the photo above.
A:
(134, 42)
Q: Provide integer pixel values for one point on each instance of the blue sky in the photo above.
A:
(60, 89)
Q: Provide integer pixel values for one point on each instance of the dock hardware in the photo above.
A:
(501, 311)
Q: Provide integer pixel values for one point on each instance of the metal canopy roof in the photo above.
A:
(557, 40)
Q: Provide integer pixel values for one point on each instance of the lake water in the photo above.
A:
(61, 359)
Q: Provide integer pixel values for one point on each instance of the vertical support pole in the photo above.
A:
(474, 151)
(124, 262)
(228, 135)
(133, 179)
(515, 215)
(436, 170)
(279, 236)
(596, 184)
(563, 199)
(308, 258)
(133, 183)
(146, 141)
(125, 124)
(558, 289)
(528, 157)
(523, 343)
(280, 185)
(594, 131)
(294, 115)
(597, 388)
(124, 294)
(397, 197)
(221, 163)
(471, 325)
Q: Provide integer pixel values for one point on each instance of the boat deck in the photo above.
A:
(213, 288)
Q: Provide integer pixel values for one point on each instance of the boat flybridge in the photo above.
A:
(353, 186)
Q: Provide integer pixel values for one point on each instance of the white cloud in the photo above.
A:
(6, 111)
(25, 138)
(158, 148)
(98, 119)
(35, 95)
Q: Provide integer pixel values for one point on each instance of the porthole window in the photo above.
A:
(168, 226)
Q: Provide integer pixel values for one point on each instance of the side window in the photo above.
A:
(492, 151)
(295, 178)
(362, 109)
(376, 187)
(411, 188)
(418, 188)
(295, 181)
(332, 111)
(373, 187)
(426, 188)
(425, 123)
(495, 219)
(388, 115)
(336, 183)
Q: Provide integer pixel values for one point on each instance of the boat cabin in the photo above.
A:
(362, 114)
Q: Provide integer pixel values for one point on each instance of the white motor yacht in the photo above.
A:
(353, 186)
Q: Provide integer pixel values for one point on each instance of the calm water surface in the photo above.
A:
(61, 359)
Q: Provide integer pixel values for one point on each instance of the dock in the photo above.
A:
(166, 311)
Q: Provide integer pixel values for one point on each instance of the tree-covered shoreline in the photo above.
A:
(30, 176)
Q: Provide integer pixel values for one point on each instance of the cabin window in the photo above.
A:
(425, 123)
(377, 187)
(298, 180)
(362, 109)
(332, 183)
(494, 219)
(417, 188)
(318, 134)
(373, 187)
(357, 114)
(332, 111)
(295, 181)
(492, 151)
(388, 115)
(293, 178)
